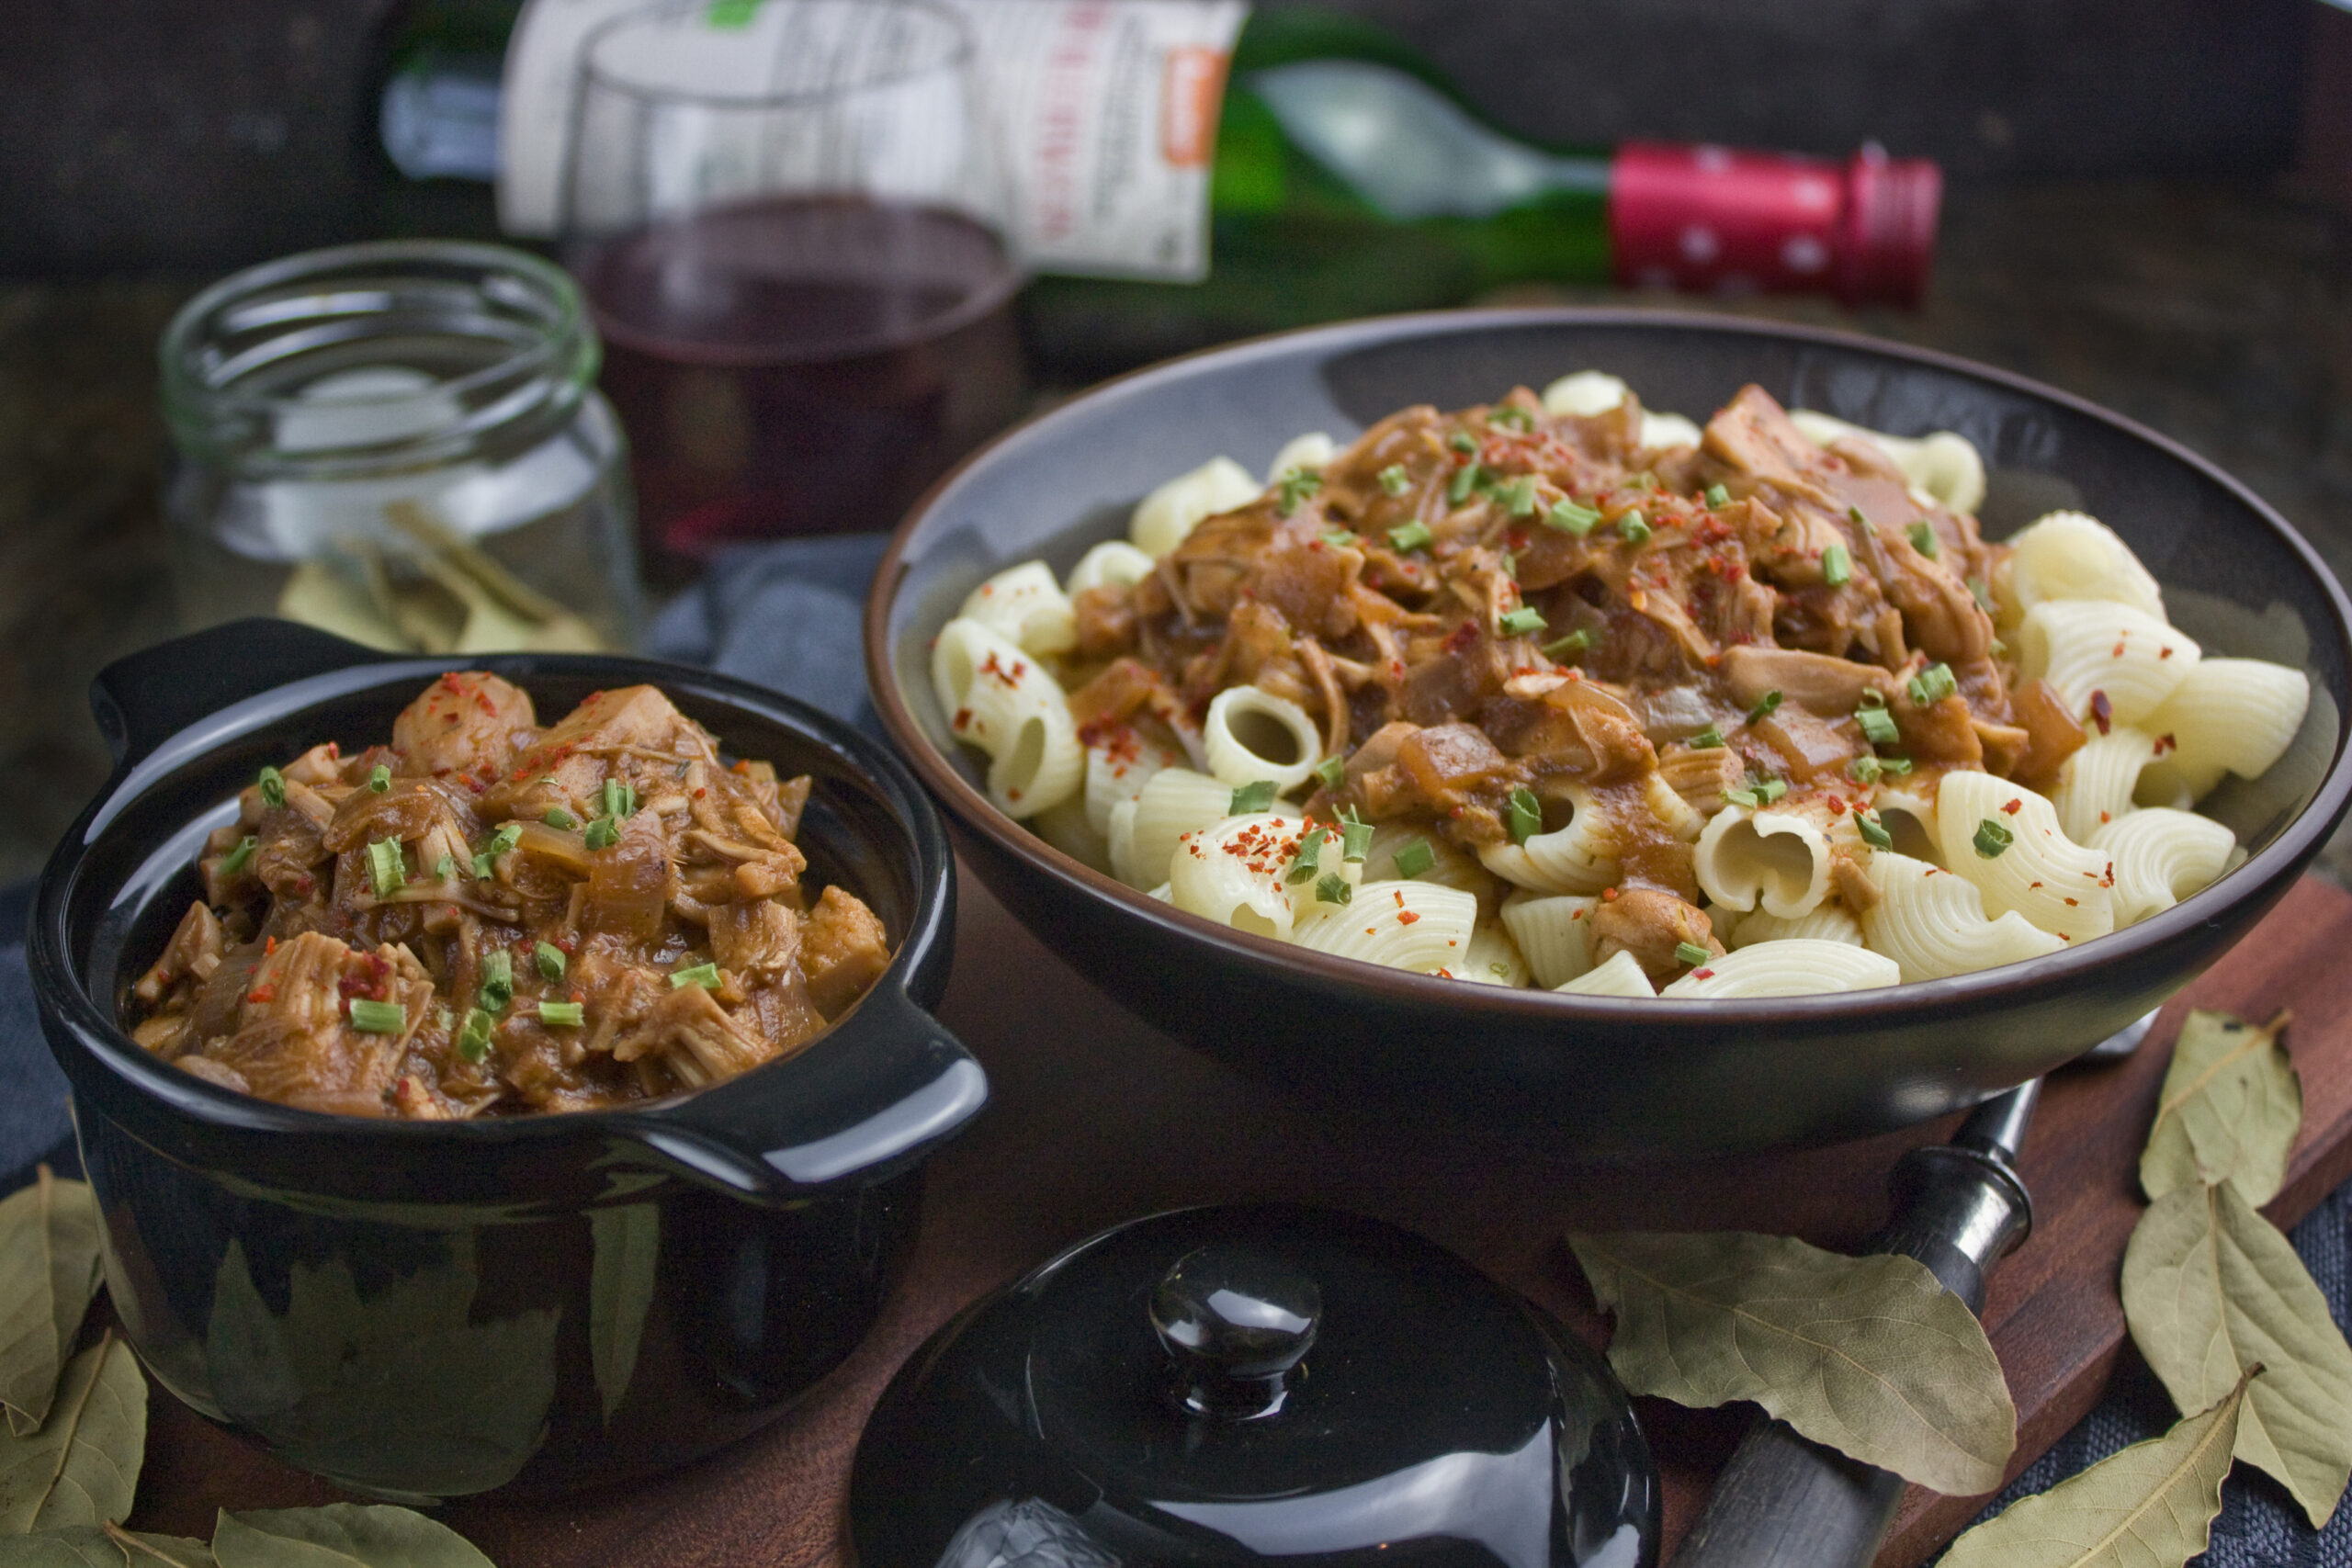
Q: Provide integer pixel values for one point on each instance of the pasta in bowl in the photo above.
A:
(1556, 691)
(1519, 775)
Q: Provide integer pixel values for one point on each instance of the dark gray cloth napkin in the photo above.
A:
(786, 616)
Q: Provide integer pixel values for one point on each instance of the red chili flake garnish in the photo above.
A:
(2163, 653)
(2074, 903)
(1408, 917)
(963, 717)
(262, 994)
(2102, 711)
(449, 682)
(1462, 637)
(304, 883)
(2012, 808)
(2104, 818)
(334, 750)
(2118, 650)
(1837, 806)
(1399, 895)
(1702, 974)
(2033, 885)
(742, 766)
(268, 946)
(2165, 743)
(1576, 914)
(1609, 895)
(700, 793)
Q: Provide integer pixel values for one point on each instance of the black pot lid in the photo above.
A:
(1220, 1385)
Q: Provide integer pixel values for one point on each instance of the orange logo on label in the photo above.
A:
(1194, 93)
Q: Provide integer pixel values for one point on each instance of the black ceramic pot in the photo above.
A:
(425, 1310)
(1584, 1074)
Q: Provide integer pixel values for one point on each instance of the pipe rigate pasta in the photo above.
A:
(1026, 606)
(2235, 715)
(2161, 857)
(1778, 859)
(1250, 734)
(1169, 513)
(1401, 925)
(1553, 931)
(1932, 922)
(2065, 555)
(1004, 702)
(2088, 647)
(2006, 841)
(2097, 783)
(1794, 967)
(1620, 976)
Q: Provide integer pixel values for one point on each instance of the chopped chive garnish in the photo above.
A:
(1873, 831)
(1414, 857)
(1765, 707)
(272, 787)
(1575, 642)
(1463, 441)
(1410, 536)
(1466, 479)
(1252, 798)
(560, 1015)
(1897, 765)
(378, 1018)
(1570, 518)
(604, 833)
(613, 802)
(1865, 770)
(444, 868)
(703, 974)
(1519, 496)
(1991, 838)
(1871, 697)
(482, 868)
(1718, 496)
(235, 860)
(1836, 567)
(1395, 479)
(1338, 538)
(1526, 815)
(1747, 797)
(1878, 726)
(1355, 839)
(497, 980)
(1854, 515)
(1511, 566)
(442, 1018)
(1923, 539)
(506, 838)
(1708, 738)
(1932, 684)
(1294, 487)
(1522, 621)
(1691, 953)
(550, 960)
(1332, 770)
(380, 779)
(1332, 888)
(1513, 416)
(386, 875)
(1305, 863)
(1634, 528)
(557, 816)
(1770, 790)
(473, 1040)
(1980, 591)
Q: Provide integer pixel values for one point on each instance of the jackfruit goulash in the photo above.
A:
(488, 918)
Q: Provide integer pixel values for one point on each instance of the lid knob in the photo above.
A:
(1236, 1321)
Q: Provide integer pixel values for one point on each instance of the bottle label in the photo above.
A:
(1105, 111)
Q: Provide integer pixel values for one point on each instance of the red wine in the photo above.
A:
(796, 364)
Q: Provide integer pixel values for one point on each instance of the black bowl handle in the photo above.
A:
(147, 698)
(868, 1100)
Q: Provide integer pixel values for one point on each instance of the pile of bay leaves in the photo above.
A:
(76, 1431)
(1871, 1356)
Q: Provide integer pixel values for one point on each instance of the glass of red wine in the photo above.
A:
(789, 220)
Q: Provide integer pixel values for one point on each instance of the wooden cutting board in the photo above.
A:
(1097, 1119)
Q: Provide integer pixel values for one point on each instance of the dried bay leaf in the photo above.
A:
(341, 1535)
(2230, 1111)
(81, 1467)
(1871, 1356)
(2150, 1505)
(86, 1546)
(49, 1271)
(2211, 1287)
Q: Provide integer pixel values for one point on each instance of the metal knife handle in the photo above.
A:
(1787, 1502)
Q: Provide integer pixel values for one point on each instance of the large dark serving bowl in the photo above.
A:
(1578, 1073)
(425, 1310)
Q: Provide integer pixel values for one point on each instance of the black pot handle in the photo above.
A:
(869, 1098)
(147, 698)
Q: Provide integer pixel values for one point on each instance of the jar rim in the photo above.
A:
(197, 408)
(958, 57)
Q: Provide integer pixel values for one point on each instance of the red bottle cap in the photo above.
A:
(1702, 219)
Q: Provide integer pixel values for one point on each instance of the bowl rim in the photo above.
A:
(58, 982)
(2293, 847)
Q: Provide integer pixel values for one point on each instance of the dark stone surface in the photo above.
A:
(2221, 314)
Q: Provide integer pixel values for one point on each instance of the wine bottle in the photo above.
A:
(1312, 168)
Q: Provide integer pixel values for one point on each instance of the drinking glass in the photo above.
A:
(789, 220)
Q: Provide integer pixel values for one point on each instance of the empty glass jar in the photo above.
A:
(400, 442)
